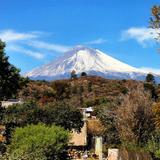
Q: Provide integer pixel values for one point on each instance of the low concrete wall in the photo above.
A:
(117, 154)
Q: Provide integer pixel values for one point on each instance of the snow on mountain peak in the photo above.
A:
(84, 59)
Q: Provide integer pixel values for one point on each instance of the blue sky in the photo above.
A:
(38, 31)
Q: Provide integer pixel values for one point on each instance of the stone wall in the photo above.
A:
(79, 139)
(117, 154)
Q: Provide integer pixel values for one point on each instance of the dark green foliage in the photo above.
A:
(29, 113)
(10, 80)
(124, 80)
(150, 78)
(2, 111)
(39, 142)
(64, 115)
(83, 74)
(152, 88)
(23, 114)
(124, 90)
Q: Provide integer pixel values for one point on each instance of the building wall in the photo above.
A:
(79, 139)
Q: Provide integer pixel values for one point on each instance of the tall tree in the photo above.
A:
(135, 119)
(10, 79)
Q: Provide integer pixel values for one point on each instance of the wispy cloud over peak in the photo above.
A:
(34, 54)
(11, 35)
(30, 43)
(49, 46)
(140, 34)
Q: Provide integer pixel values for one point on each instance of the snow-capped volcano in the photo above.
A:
(91, 61)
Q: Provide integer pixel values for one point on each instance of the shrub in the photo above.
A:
(38, 142)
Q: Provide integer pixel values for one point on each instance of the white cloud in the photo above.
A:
(150, 70)
(30, 43)
(11, 35)
(49, 46)
(34, 54)
(140, 34)
(97, 41)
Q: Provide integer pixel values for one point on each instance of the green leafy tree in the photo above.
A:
(19, 115)
(10, 80)
(39, 142)
(61, 114)
(64, 115)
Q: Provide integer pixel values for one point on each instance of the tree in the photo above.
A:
(155, 21)
(39, 142)
(10, 80)
(73, 74)
(106, 113)
(64, 115)
(83, 74)
(135, 119)
(61, 114)
(150, 78)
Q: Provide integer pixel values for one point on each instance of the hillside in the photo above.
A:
(81, 92)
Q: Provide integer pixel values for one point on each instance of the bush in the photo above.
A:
(38, 142)
(154, 144)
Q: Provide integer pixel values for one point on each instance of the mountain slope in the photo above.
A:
(83, 59)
